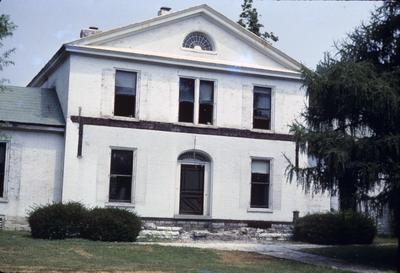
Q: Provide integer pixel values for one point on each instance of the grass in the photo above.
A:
(381, 254)
(20, 253)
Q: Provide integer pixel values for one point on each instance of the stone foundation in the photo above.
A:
(186, 230)
(14, 223)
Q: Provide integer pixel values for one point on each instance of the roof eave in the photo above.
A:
(50, 66)
(183, 62)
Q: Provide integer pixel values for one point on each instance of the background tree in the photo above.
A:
(249, 20)
(351, 127)
(6, 29)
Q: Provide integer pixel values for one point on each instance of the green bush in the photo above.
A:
(112, 224)
(57, 221)
(335, 228)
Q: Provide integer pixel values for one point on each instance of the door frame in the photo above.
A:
(206, 192)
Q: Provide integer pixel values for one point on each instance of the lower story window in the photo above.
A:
(121, 176)
(260, 181)
(2, 168)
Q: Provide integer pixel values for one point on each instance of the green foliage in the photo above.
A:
(249, 19)
(112, 224)
(6, 29)
(57, 221)
(335, 228)
(72, 220)
(351, 129)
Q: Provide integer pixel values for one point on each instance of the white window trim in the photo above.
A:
(214, 52)
(137, 99)
(133, 186)
(270, 208)
(4, 199)
(196, 102)
(273, 96)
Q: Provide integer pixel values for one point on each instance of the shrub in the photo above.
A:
(112, 224)
(57, 221)
(335, 228)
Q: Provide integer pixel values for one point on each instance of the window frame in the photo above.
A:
(133, 180)
(208, 186)
(268, 209)
(137, 96)
(208, 37)
(272, 119)
(196, 107)
(4, 198)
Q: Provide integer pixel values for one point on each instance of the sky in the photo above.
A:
(306, 29)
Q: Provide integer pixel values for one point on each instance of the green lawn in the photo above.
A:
(381, 254)
(19, 252)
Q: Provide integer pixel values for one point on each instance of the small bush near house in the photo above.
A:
(335, 228)
(57, 221)
(112, 224)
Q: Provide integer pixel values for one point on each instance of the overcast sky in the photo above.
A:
(306, 29)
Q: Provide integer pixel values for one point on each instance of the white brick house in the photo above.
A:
(183, 116)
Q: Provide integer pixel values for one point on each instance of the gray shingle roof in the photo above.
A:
(30, 105)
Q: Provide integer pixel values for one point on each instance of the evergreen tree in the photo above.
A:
(6, 29)
(352, 122)
(249, 20)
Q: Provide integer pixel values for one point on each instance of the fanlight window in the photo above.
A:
(194, 155)
(198, 40)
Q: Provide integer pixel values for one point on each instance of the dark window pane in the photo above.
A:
(206, 92)
(260, 177)
(125, 94)
(259, 195)
(125, 83)
(121, 162)
(205, 114)
(260, 170)
(186, 100)
(206, 101)
(262, 108)
(124, 106)
(2, 167)
(120, 188)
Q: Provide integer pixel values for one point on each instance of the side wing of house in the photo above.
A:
(31, 151)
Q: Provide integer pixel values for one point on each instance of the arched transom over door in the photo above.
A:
(194, 183)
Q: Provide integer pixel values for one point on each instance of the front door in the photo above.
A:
(192, 189)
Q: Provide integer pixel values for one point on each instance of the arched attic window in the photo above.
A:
(198, 40)
(194, 155)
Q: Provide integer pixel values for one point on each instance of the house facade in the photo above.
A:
(184, 116)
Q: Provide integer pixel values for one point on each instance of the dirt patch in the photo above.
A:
(82, 252)
(240, 257)
(141, 248)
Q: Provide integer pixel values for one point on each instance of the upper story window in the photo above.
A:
(262, 108)
(198, 41)
(186, 100)
(196, 101)
(125, 93)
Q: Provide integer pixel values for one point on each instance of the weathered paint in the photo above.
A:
(85, 86)
(33, 172)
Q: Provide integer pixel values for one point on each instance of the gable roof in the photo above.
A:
(93, 44)
(35, 106)
(205, 10)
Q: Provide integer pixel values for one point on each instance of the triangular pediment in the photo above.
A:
(164, 35)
